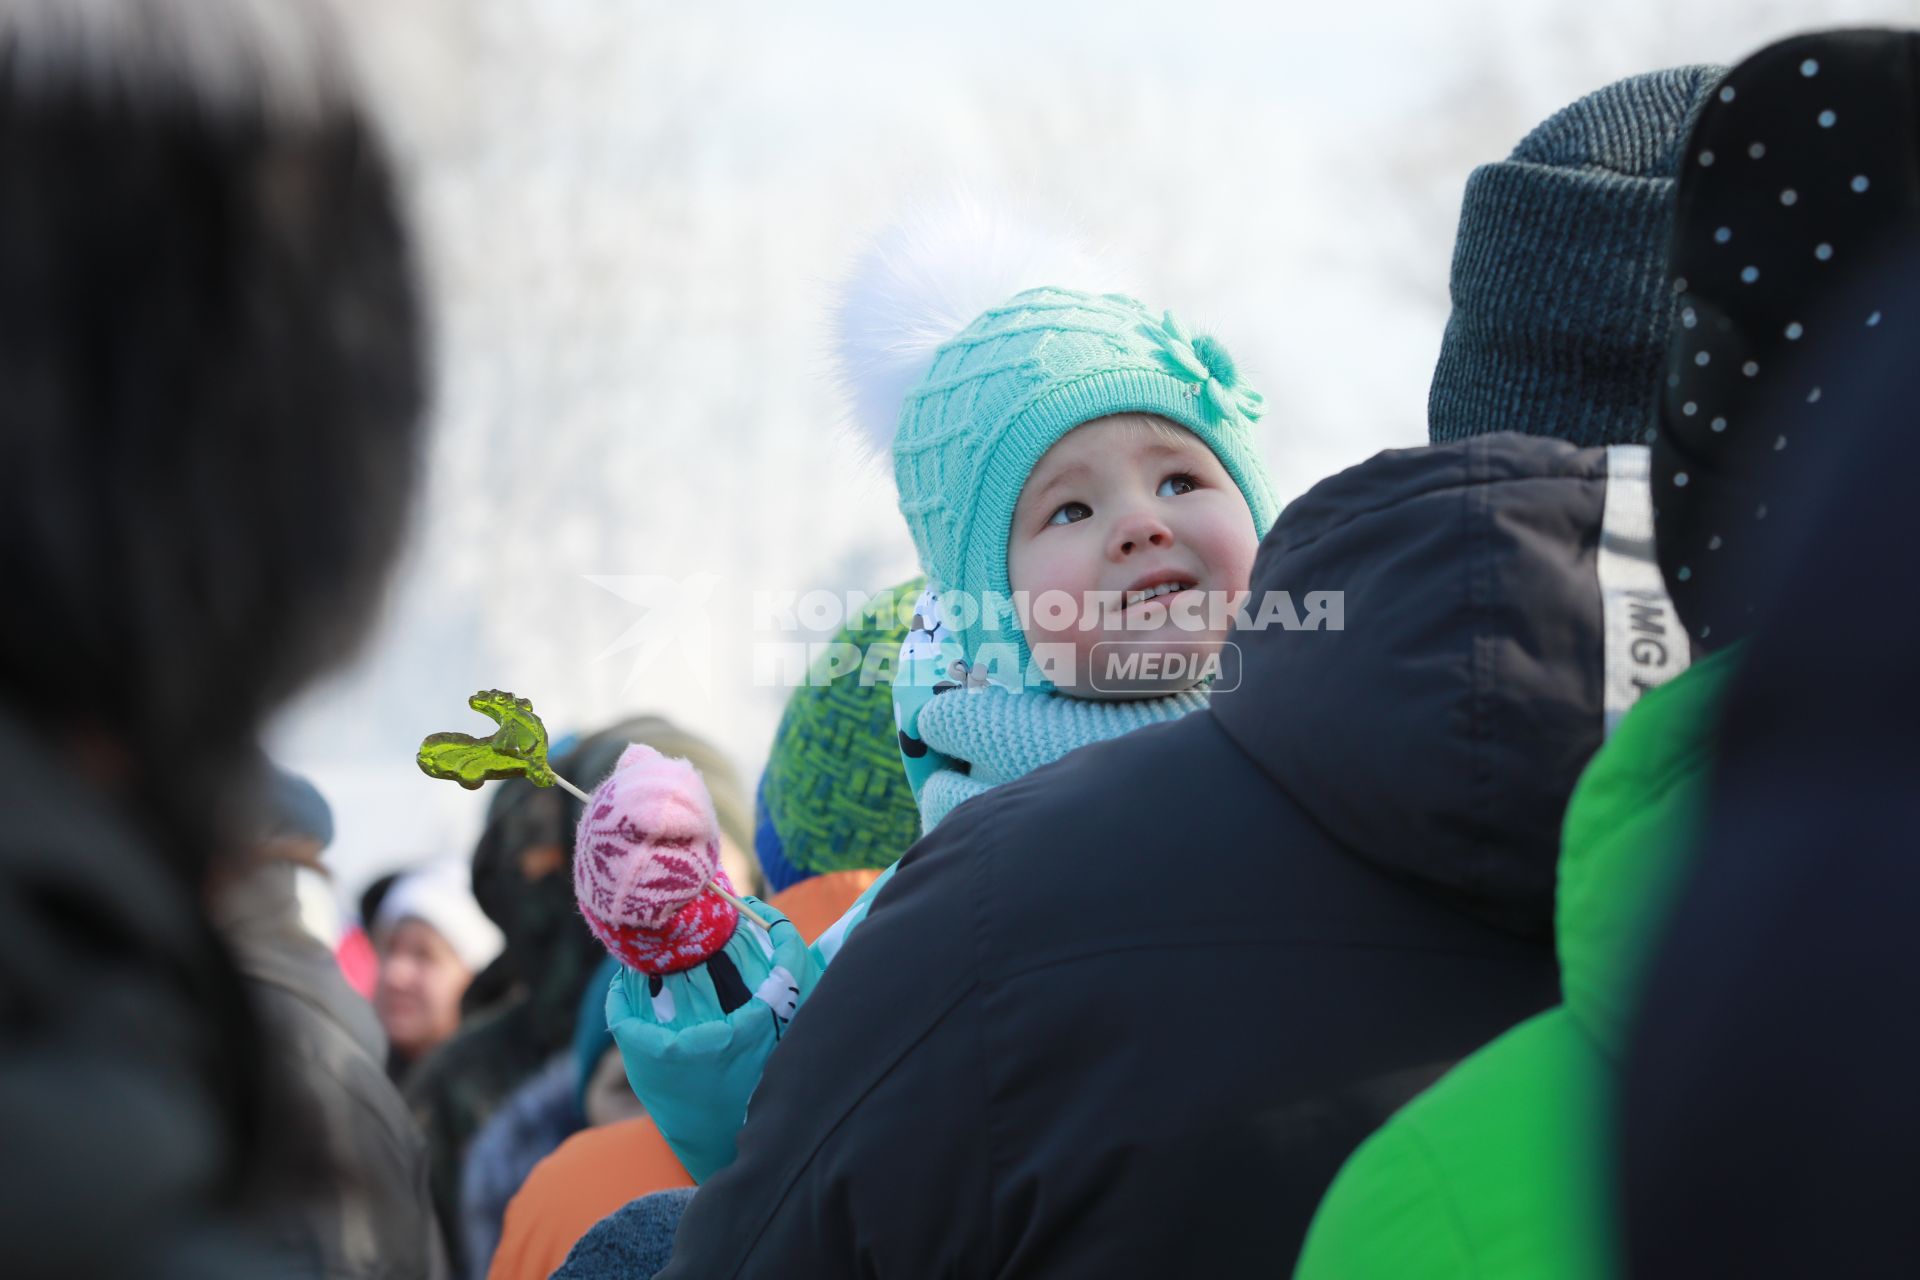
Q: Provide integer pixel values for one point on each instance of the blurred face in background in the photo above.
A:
(421, 982)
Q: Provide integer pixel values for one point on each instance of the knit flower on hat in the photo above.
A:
(1204, 364)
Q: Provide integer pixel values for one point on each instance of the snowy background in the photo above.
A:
(633, 215)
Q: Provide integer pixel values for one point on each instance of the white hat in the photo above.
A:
(441, 897)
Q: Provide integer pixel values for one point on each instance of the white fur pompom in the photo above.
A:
(925, 279)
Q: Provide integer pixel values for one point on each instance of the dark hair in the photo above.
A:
(374, 894)
(213, 356)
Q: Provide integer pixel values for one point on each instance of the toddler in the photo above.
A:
(1083, 488)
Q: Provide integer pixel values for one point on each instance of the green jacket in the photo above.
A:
(1501, 1169)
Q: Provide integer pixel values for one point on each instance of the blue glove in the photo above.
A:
(694, 1043)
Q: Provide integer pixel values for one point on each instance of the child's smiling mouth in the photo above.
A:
(1157, 589)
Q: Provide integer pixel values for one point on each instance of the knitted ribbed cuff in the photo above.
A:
(1553, 333)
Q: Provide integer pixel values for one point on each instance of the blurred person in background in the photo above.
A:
(523, 880)
(618, 1156)
(213, 351)
(572, 1092)
(364, 1211)
(359, 959)
(432, 939)
(553, 1104)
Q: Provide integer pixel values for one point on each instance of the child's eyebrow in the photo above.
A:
(1073, 471)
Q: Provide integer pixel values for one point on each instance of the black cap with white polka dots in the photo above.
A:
(1801, 174)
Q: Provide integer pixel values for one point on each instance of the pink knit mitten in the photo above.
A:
(645, 859)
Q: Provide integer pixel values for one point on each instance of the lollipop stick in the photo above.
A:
(572, 790)
(740, 906)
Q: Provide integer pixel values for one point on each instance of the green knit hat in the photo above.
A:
(1016, 380)
(833, 796)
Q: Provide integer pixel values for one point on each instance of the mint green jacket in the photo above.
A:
(1502, 1169)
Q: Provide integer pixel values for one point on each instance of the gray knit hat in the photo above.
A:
(1560, 298)
(294, 809)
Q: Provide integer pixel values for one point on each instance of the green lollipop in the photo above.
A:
(517, 749)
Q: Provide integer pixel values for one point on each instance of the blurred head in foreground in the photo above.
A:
(212, 344)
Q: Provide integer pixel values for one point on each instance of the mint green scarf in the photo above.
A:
(960, 736)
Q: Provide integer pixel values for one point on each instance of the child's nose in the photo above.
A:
(1136, 533)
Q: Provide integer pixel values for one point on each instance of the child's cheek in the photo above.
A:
(1232, 548)
(1239, 574)
(1069, 562)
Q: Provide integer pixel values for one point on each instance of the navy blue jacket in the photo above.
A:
(1128, 1014)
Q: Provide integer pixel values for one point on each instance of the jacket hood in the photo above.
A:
(1497, 611)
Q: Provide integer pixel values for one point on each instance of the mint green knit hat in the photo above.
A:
(1011, 384)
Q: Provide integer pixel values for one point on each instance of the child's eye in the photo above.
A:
(1070, 512)
(1175, 485)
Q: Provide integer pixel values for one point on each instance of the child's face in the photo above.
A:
(1118, 508)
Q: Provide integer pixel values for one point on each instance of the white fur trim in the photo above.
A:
(928, 277)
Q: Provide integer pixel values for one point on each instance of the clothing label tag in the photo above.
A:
(1645, 643)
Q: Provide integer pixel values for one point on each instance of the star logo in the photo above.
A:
(676, 615)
